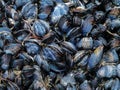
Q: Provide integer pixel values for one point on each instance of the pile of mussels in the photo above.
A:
(59, 44)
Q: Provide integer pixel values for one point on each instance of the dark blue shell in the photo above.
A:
(107, 71)
(95, 57)
(40, 27)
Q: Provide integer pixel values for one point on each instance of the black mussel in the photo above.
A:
(12, 13)
(12, 86)
(60, 10)
(85, 86)
(68, 47)
(4, 29)
(115, 84)
(107, 71)
(57, 68)
(108, 84)
(83, 61)
(2, 87)
(49, 38)
(99, 16)
(79, 55)
(80, 76)
(18, 81)
(18, 64)
(11, 22)
(43, 15)
(42, 63)
(64, 23)
(28, 71)
(1, 43)
(95, 57)
(116, 2)
(38, 58)
(5, 34)
(45, 9)
(27, 82)
(85, 43)
(12, 48)
(114, 43)
(98, 29)
(41, 28)
(68, 79)
(29, 11)
(50, 54)
(56, 48)
(20, 3)
(71, 87)
(37, 85)
(77, 21)
(21, 34)
(59, 87)
(45, 12)
(32, 47)
(118, 70)
(5, 61)
(26, 57)
(9, 75)
(87, 25)
(111, 56)
(69, 61)
(74, 32)
(114, 25)
(99, 42)
(45, 3)
(37, 73)
(95, 82)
